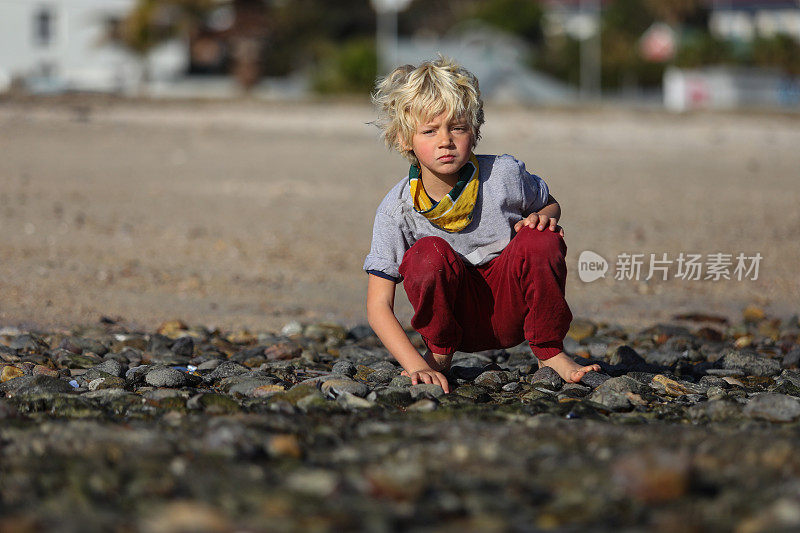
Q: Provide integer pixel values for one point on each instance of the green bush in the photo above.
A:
(347, 68)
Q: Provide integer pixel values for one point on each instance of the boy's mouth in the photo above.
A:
(446, 158)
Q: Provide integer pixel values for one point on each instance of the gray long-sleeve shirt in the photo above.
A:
(506, 195)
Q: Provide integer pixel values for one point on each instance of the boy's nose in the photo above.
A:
(445, 139)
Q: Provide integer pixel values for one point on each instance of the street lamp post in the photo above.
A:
(590, 52)
(386, 31)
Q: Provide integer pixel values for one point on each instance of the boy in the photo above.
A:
(474, 238)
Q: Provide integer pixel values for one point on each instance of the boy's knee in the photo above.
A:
(544, 243)
(428, 255)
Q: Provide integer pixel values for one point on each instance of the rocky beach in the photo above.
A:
(183, 342)
(313, 428)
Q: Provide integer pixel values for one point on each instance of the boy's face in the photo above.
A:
(442, 145)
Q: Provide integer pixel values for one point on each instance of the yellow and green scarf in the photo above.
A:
(453, 212)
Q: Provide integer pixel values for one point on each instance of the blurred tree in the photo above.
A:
(304, 31)
(623, 23)
(699, 48)
(522, 18)
(350, 68)
(673, 12)
(151, 22)
(559, 56)
(779, 51)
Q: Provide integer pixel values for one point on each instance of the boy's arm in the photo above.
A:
(380, 315)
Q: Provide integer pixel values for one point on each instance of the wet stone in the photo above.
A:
(716, 410)
(381, 376)
(213, 403)
(426, 390)
(773, 407)
(225, 370)
(283, 350)
(296, 393)
(35, 385)
(468, 373)
(10, 372)
(424, 405)
(492, 379)
(400, 381)
(512, 387)
(616, 393)
(183, 346)
(337, 386)
(79, 345)
(383, 365)
(111, 382)
(165, 377)
(245, 384)
(792, 358)
(473, 393)
(628, 357)
(135, 375)
(594, 379)
(665, 358)
(751, 362)
(396, 396)
(85, 360)
(28, 343)
(546, 377)
(344, 368)
(209, 365)
(347, 400)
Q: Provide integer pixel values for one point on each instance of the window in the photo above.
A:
(44, 26)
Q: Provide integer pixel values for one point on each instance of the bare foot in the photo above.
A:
(437, 362)
(567, 368)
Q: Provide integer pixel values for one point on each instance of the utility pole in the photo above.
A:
(590, 52)
(386, 31)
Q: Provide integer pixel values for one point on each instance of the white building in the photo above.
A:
(744, 20)
(56, 45)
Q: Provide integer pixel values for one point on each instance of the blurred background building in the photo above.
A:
(683, 54)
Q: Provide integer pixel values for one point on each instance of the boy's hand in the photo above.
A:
(539, 221)
(428, 376)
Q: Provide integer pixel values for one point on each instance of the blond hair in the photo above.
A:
(409, 96)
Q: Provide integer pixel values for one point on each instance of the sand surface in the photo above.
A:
(249, 214)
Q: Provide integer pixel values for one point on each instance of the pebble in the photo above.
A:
(424, 405)
(426, 390)
(111, 366)
(615, 393)
(350, 401)
(750, 362)
(492, 379)
(397, 396)
(344, 368)
(10, 372)
(337, 386)
(773, 407)
(165, 377)
(546, 377)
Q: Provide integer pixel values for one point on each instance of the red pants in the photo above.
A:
(517, 296)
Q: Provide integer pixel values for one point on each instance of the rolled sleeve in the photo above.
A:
(389, 244)
(535, 191)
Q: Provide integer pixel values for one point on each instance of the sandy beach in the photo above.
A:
(251, 214)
